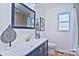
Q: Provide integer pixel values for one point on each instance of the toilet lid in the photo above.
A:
(51, 45)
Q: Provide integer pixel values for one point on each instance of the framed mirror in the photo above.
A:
(22, 16)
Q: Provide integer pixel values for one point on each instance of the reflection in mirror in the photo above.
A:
(24, 17)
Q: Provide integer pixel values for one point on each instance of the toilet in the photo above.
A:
(51, 47)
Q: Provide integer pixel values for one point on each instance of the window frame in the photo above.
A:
(65, 30)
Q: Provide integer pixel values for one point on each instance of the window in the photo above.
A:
(63, 21)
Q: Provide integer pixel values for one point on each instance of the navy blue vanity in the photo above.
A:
(41, 50)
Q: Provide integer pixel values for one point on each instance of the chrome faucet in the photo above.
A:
(28, 38)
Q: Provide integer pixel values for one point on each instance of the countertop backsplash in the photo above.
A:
(21, 35)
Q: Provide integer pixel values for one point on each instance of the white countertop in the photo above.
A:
(23, 48)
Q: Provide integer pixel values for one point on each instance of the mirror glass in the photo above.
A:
(24, 17)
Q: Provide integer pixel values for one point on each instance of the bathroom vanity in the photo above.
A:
(35, 47)
(41, 50)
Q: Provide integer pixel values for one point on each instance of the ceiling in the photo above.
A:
(49, 5)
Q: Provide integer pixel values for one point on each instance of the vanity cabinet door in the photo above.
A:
(35, 52)
(42, 50)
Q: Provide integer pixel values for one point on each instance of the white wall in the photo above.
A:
(63, 40)
(40, 12)
(5, 20)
